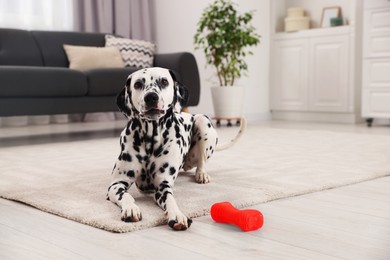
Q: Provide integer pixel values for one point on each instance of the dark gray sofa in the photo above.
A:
(35, 78)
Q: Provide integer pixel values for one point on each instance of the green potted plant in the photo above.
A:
(224, 35)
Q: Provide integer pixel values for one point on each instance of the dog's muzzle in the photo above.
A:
(151, 100)
(152, 110)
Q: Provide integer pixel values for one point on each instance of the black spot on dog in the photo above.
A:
(120, 192)
(139, 157)
(115, 185)
(157, 196)
(152, 167)
(172, 170)
(126, 157)
(128, 125)
(177, 129)
(163, 198)
(165, 135)
(168, 123)
(136, 124)
(158, 151)
(130, 174)
(163, 167)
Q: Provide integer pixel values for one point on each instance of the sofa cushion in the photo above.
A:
(51, 44)
(26, 81)
(17, 47)
(135, 53)
(103, 82)
(87, 58)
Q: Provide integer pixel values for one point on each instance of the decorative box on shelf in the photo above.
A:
(296, 20)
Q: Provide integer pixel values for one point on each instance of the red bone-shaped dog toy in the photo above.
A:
(247, 219)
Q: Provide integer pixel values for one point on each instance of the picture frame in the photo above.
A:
(328, 13)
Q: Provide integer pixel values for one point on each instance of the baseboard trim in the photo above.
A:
(347, 118)
(258, 117)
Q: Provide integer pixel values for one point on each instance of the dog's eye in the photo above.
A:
(164, 82)
(138, 85)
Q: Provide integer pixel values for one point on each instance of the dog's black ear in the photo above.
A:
(128, 82)
(173, 75)
(181, 92)
(121, 101)
(182, 95)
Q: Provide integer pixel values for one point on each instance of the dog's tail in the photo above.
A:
(230, 143)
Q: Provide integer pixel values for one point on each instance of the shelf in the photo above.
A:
(339, 30)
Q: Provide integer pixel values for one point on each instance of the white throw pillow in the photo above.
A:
(87, 58)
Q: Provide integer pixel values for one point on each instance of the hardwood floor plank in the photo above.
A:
(84, 240)
(375, 190)
(317, 213)
(348, 202)
(324, 240)
(17, 245)
(218, 241)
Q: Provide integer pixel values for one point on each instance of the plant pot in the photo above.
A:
(228, 101)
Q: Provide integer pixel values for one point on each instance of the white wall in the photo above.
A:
(176, 22)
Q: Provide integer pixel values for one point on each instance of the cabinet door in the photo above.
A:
(376, 88)
(328, 77)
(377, 33)
(376, 103)
(376, 4)
(289, 75)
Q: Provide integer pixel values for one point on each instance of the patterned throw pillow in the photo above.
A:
(135, 53)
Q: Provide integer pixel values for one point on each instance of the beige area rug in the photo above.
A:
(71, 179)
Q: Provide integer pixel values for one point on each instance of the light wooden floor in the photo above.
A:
(352, 222)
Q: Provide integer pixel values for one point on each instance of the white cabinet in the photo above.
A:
(310, 73)
(376, 60)
(315, 74)
(289, 91)
(328, 74)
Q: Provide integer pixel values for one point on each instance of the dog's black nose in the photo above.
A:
(151, 99)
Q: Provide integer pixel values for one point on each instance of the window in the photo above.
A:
(37, 14)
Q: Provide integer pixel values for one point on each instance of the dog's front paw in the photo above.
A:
(177, 220)
(131, 214)
(180, 223)
(202, 177)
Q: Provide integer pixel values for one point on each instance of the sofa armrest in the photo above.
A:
(185, 65)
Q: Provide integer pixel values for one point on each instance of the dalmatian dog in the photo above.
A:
(158, 142)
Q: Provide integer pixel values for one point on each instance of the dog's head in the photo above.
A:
(151, 93)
